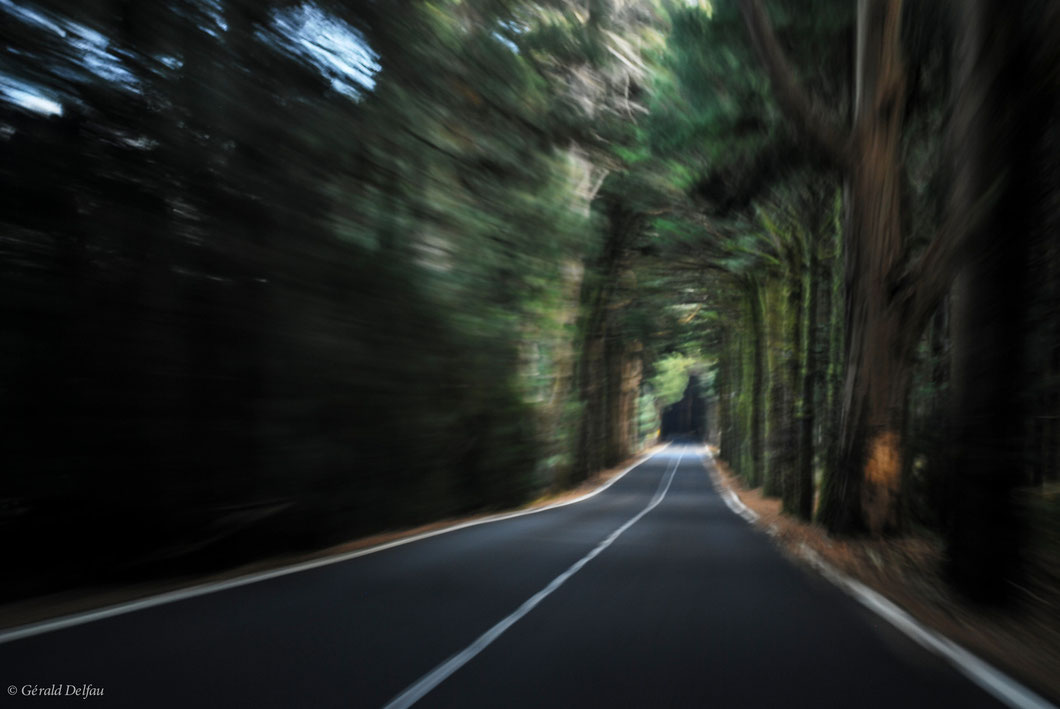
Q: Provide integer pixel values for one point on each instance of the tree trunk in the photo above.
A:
(724, 388)
(623, 385)
(833, 372)
(758, 389)
(776, 395)
(862, 489)
(614, 360)
(589, 455)
(792, 426)
(998, 129)
(866, 483)
(803, 502)
(745, 401)
(598, 289)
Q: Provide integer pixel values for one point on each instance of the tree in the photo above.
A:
(885, 310)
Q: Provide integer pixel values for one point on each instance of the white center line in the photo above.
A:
(439, 674)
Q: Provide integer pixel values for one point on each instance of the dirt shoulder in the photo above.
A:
(75, 601)
(1024, 641)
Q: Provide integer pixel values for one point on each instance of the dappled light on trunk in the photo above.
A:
(879, 492)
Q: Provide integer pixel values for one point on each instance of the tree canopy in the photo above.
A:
(283, 273)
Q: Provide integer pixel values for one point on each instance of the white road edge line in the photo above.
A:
(47, 626)
(729, 497)
(439, 674)
(995, 682)
(1003, 688)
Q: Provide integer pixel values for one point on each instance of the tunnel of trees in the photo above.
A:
(280, 273)
(687, 417)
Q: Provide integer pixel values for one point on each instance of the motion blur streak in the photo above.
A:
(282, 275)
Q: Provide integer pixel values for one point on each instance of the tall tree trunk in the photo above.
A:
(614, 360)
(867, 479)
(773, 307)
(598, 289)
(832, 370)
(622, 386)
(863, 487)
(803, 506)
(758, 387)
(724, 387)
(792, 426)
(997, 131)
(744, 461)
(632, 376)
(589, 451)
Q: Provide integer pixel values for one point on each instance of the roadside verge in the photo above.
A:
(42, 615)
(901, 586)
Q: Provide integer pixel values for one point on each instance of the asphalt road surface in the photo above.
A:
(649, 594)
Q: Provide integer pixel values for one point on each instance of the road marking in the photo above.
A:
(995, 682)
(729, 497)
(439, 674)
(48, 626)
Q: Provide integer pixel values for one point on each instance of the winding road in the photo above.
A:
(651, 593)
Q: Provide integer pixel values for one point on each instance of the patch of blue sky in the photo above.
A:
(169, 62)
(31, 16)
(336, 49)
(97, 56)
(215, 13)
(28, 97)
(506, 42)
(91, 50)
(513, 26)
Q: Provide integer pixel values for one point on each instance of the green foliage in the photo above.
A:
(465, 253)
(280, 298)
(671, 377)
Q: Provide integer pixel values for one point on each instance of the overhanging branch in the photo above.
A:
(923, 284)
(796, 104)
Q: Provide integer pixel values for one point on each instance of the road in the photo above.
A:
(651, 593)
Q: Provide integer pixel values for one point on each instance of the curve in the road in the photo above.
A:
(683, 605)
(439, 674)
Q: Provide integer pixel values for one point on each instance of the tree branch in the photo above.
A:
(923, 283)
(796, 104)
(982, 132)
